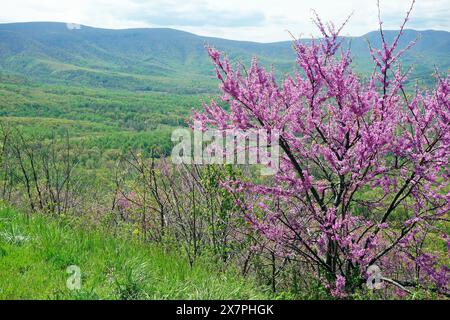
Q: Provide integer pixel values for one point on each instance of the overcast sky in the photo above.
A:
(255, 20)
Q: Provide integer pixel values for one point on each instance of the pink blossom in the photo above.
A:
(355, 153)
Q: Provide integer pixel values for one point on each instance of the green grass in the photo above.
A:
(35, 253)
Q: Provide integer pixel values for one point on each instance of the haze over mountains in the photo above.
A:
(169, 60)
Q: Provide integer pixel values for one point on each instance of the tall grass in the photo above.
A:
(36, 251)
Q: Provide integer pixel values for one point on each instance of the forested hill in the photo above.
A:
(169, 60)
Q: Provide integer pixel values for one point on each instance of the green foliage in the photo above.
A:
(118, 109)
(96, 118)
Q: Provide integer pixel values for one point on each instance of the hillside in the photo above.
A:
(168, 60)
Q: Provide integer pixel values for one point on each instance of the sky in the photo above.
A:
(253, 20)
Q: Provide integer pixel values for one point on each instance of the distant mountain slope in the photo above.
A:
(167, 59)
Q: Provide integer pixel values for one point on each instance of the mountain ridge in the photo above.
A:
(170, 60)
(64, 24)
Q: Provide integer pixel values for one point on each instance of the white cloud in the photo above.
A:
(255, 20)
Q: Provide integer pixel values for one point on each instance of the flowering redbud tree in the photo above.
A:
(364, 172)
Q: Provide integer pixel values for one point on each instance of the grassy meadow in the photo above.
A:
(36, 250)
